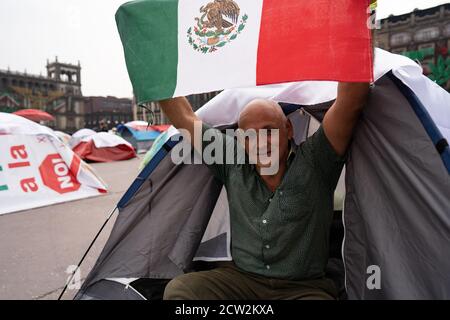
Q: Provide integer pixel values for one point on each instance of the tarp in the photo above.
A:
(37, 169)
(396, 213)
(104, 147)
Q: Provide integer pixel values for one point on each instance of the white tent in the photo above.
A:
(37, 169)
(64, 137)
(79, 135)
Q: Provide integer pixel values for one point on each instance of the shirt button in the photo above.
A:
(267, 246)
(268, 267)
(264, 221)
(270, 200)
(281, 193)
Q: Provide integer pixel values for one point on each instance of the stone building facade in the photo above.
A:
(111, 110)
(422, 35)
(59, 93)
(153, 110)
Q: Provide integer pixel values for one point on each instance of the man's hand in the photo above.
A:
(180, 113)
(341, 119)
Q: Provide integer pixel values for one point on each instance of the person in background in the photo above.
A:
(103, 126)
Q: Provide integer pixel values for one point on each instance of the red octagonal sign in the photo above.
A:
(57, 176)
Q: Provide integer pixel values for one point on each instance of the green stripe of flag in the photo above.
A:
(145, 27)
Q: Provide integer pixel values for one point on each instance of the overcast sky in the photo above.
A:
(32, 31)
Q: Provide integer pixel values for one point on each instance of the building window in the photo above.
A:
(399, 50)
(400, 39)
(427, 34)
(427, 46)
(447, 30)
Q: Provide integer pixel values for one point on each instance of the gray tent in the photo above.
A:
(396, 209)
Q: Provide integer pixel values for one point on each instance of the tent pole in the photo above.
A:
(86, 253)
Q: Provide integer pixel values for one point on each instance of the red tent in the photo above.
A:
(145, 126)
(35, 115)
(104, 147)
(161, 127)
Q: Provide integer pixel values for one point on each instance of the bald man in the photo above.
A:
(280, 221)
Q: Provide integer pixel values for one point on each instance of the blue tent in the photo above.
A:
(140, 140)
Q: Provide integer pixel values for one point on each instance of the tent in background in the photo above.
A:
(140, 138)
(161, 127)
(140, 134)
(79, 135)
(396, 216)
(104, 147)
(35, 115)
(64, 137)
(36, 169)
(138, 125)
(83, 133)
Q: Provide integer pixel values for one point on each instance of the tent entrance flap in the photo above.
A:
(433, 132)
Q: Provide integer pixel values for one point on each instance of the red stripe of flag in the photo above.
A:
(314, 40)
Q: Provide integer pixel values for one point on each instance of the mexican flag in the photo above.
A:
(182, 47)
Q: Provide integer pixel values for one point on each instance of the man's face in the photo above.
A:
(267, 133)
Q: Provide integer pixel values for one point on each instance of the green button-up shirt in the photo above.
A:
(282, 234)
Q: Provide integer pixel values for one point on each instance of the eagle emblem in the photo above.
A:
(220, 22)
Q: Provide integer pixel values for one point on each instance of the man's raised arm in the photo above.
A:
(341, 119)
(180, 113)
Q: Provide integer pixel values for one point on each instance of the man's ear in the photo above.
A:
(290, 129)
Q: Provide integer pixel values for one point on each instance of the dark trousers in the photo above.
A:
(230, 283)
